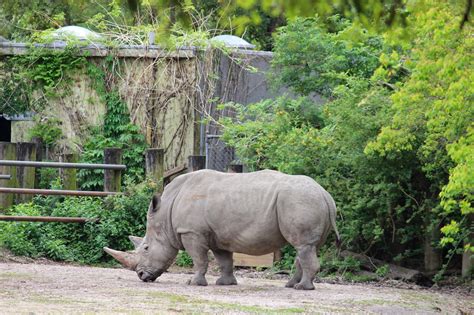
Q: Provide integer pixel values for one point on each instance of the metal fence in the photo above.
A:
(218, 154)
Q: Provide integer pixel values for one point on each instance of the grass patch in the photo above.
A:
(254, 309)
(53, 300)
(408, 305)
(171, 297)
(196, 305)
(15, 275)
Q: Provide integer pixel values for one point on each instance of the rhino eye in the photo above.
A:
(145, 247)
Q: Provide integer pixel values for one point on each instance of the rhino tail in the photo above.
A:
(332, 217)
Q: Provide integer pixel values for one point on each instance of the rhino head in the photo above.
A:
(153, 254)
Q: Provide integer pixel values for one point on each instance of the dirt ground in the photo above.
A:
(36, 288)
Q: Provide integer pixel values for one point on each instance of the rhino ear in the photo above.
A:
(155, 202)
(136, 240)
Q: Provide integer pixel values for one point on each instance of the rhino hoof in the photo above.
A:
(200, 282)
(304, 286)
(226, 281)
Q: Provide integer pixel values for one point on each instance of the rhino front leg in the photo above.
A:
(197, 248)
(309, 264)
(226, 264)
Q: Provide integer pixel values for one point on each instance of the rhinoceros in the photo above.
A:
(251, 213)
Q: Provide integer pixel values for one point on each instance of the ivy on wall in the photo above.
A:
(117, 130)
(30, 80)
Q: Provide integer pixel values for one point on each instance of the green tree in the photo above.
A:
(311, 54)
(433, 113)
(393, 142)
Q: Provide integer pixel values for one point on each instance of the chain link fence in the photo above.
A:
(218, 154)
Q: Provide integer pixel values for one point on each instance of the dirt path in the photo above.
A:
(38, 289)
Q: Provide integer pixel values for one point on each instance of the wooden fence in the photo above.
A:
(18, 163)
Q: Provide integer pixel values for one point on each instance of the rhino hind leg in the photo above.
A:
(309, 263)
(196, 247)
(226, 264)
(297, 276)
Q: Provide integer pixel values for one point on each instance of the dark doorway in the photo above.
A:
(5, 130)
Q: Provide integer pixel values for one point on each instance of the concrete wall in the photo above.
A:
(167, 94)
(157, 86)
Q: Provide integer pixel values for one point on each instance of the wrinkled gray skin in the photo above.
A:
(251, 213)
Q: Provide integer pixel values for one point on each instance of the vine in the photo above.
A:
(117, 131)
(32, 77)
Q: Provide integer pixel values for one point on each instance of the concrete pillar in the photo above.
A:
(154, 163)
(433, 257)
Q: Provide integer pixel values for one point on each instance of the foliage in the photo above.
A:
(116, 132)
(287, 261)
(48, 177)
(15, 92)
(382, 271)
(243, 15)
(333, 264)
(49, 68)
(119, 217)
(432, 114)
(264, 127)
(130, 140)
(393, 142)
(183, 259)
(47, 129)
(20, 237)
(258, 33)
(310, 59)
(18, 19)
(377, 197)
(39, 70)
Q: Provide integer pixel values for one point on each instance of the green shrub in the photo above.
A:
(119, 217)
(183, 259)
(382, 271)
(309, 59)
(48, 129)
(47, 177)
(288, 254)
(21, 237)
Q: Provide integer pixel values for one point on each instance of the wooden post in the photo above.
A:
(68, 175)
(196, 162)
(25, 151)
(154, 163)
(39, 148)
(39, 157)
(468, 256)
(112, 178)
(7, 152)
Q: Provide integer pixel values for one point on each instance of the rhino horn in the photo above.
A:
(128, 260)
(136, 240)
